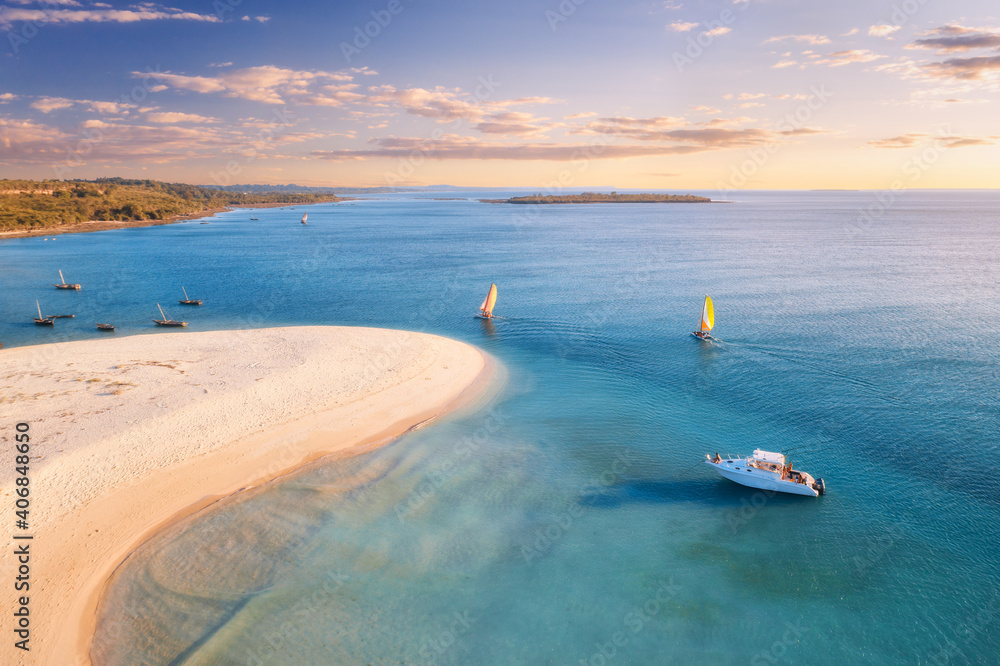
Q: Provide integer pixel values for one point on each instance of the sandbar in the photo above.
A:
(130, 434)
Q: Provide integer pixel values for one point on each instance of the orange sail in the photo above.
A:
(707, 316)
(491, 299)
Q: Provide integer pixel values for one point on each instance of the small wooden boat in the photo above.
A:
(105, 327)
(707, 321)
(75, 287)
(167, 321)
(61, 316)
(254, 219)
(40, 320)
(486, 309)
(305, 216)
(187, 300)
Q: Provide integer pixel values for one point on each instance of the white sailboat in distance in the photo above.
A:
(305, 216)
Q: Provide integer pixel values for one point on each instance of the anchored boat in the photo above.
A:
(707, 321)
(40, 320)
(105, 327)
(486, 309)
(768, 471)
(188, 300)
(64, 285)
(167, 321)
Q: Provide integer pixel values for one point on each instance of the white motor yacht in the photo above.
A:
(767, 471)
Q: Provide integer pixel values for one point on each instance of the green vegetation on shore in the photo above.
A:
(33, 204)
(598, 197)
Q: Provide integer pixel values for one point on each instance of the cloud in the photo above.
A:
(681, 26)
(25, 140)
(576, 116)
(454, 147)
(718, 32)
(702, 109)
(901, 141)
(50, 104)
(851, 32)
(6, 97)
(445, 105)
(956, 39)
(841, 58)
(751, 95)
(966, 69)
(268, 84)
(147, 12)
(262, 19)
(781, 64)
(514, 123)
(950, 141)
(171, 117)
(883, 30)
(815, 40)
(963, 141)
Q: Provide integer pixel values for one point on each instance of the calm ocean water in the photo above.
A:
(569, 520)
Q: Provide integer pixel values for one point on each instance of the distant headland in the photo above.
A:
(32, 207)
(599, 197)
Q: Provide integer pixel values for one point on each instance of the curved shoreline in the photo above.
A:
(418, 378)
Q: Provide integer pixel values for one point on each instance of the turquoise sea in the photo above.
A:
(568, 518)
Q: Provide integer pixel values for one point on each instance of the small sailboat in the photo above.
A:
(105, 327)
(167, 321)
(63, 285)
(767, 470)
(486, 309)
(188, 300)
(707, 321)
(40, 320)
(305, 216)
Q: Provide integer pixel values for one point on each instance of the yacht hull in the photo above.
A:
(738, 472)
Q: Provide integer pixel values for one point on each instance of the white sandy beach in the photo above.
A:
(131, 433)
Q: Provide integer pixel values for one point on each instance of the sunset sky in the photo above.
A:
(667, 95)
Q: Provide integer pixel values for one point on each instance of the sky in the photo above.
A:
(671, 95)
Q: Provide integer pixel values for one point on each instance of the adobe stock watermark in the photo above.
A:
(758, 156)
(562, 12)
(632, 623)
(460, 454)
(407, 166)
(91, 137)
(276, 637)
(714, 28)
(250, 149)
(433, 648)
(965, 633)
(363, 35)
(914, 169)
(777, 651)
(560, 524)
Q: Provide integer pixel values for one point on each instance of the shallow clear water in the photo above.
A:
(570, 518)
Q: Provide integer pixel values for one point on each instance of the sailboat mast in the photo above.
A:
(185, 294)
(39, 310)
(161, 312)
(61, 277)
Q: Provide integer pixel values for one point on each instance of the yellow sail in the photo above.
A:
(707, 316)
(491, 299)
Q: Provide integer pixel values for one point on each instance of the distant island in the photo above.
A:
(598, 197)
(82, 205)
